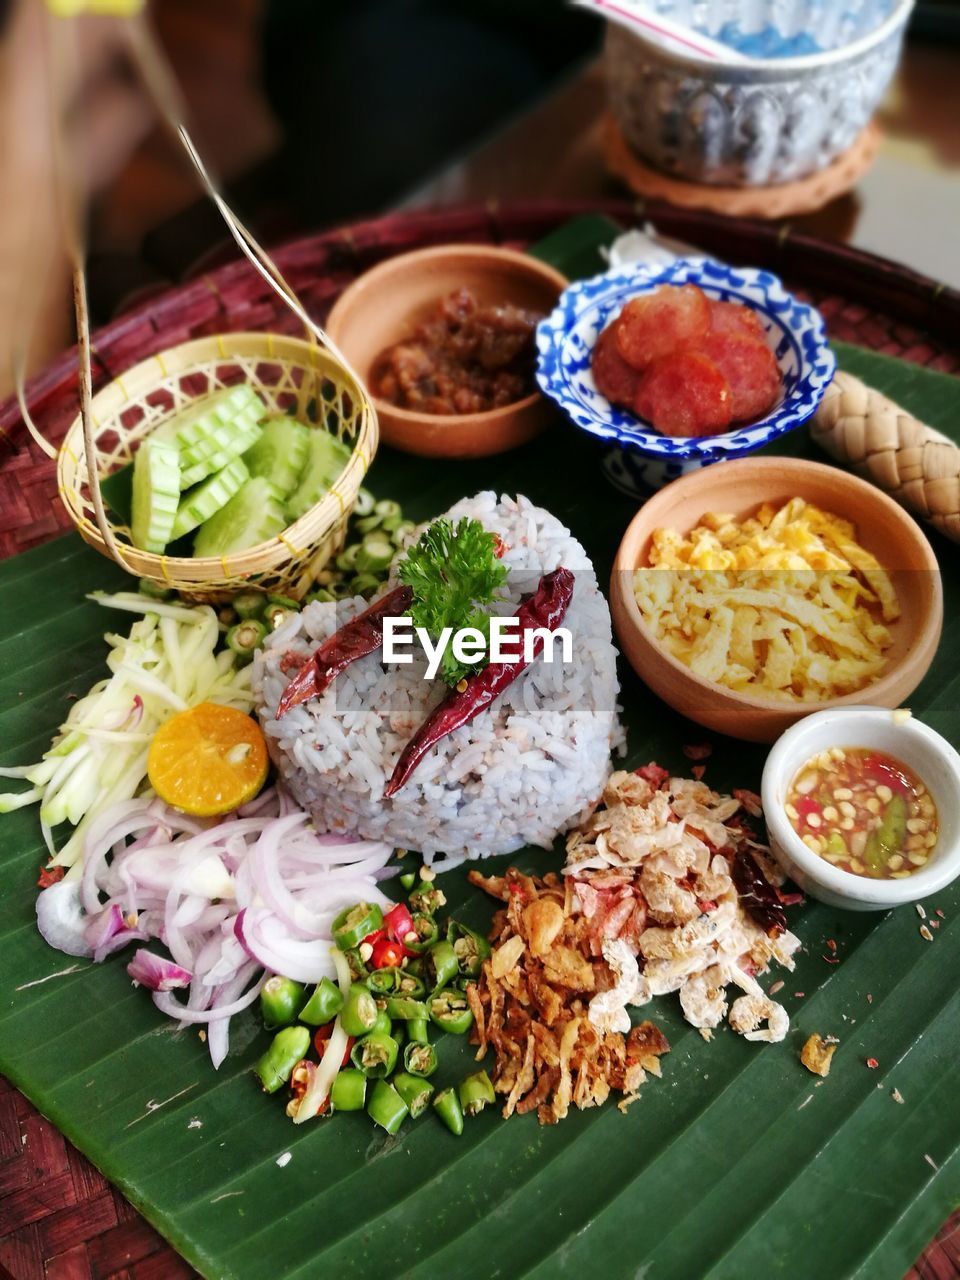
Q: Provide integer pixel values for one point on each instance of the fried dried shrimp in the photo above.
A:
(677, 895)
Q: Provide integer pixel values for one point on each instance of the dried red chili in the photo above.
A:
(544, 609)
(49, 876)
(759, 897)
(355, 639)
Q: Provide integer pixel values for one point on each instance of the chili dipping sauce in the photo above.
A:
(864, 812)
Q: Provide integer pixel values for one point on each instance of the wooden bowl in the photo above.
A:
(388, 302)
(740, 487)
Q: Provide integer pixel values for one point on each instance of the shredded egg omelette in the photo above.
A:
(786, 603)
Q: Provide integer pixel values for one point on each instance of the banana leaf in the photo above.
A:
(737, 1163)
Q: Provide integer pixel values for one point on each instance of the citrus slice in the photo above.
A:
(208, 760)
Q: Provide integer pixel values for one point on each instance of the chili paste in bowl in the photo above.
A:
(466, 358)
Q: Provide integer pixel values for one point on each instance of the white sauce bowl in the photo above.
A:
(925, 751)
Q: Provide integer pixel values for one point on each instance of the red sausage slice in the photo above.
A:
(685, 394)
(733, 317)
(662, 322)
(615, 379)
(750, 368)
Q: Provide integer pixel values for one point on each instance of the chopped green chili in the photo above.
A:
(363, 503)
(440, 965)
(375, 1055)
(427, 898)
(355, 923)
(359, 1013)
(383, 982)
(324, 1005)
(382, 1024)
(471, 948)
(427, 931)
(349, 1090)
(411, 984)
(447, 1107)
(280, 998)
(405, 1008)
(418, 1030)
(475, 1092)
(888, 838)
(284, 602)
(358, 970)
(289, 1047)
(450, 1011)
(386, 1107)
(415, 1092)
(420, 1059)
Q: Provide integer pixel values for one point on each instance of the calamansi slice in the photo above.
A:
(208, 760)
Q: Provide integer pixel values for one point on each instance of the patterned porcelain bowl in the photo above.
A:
(642, 459)
(817, 71)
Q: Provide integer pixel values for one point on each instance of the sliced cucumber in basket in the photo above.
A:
(204, 500)
(280, 453)
(156, 493)
(254, 514)
(194, 472)
(204, 419)
(327, 458)
(233, 438)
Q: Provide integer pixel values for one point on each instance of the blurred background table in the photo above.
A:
(539, 136)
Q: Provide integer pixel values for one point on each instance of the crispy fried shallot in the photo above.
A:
(533, 1005)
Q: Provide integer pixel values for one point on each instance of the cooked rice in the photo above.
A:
(531, 766)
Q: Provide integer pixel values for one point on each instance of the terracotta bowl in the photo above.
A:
(740, 487)
(387, 303)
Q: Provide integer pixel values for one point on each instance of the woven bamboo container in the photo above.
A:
(293, 376)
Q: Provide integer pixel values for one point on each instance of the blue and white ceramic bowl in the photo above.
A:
(642, 459)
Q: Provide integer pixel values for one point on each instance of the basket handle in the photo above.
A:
(166, 98)
(158, 81)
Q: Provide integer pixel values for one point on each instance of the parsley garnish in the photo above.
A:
(453, 573)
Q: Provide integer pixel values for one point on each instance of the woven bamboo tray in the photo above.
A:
(59, 1219)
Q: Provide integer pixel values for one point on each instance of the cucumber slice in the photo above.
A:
(232, 438)
(204, 500)
(203, 419)
(280, 454)
(253, 515)
(156, 492)
(327, 459)
(193, 472)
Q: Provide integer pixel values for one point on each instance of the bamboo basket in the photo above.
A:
(293, 376)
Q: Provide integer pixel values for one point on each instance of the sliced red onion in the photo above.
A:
(158, 974)
(228, 899)
(102, 927)
(265, 939)
(60, 918)
(179, 1011)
